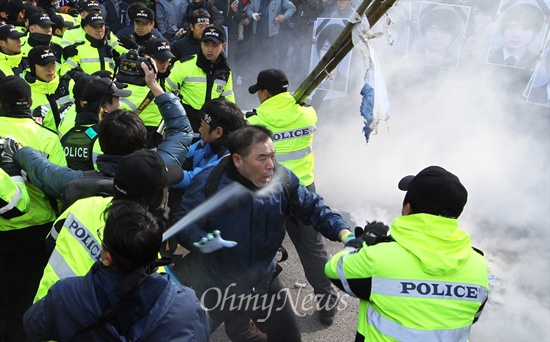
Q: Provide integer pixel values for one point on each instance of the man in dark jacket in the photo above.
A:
(245, 264)
(124, 288)
(190, 44)
(216, 18)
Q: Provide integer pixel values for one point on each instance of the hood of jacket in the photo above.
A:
(436, 241)
(11, 60)
(42, 87)
(279, 110)
(148, 303)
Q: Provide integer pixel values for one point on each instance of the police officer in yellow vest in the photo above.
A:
(11, 58)
(293, 126)
(429, 283)
(22, 254)
(44, 82)
(95, 52)
(204, 76)
(76, 33)
(40, 33)
(141, 101)
(142, 177)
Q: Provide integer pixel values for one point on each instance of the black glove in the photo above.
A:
(71, 50)
(374, 232)
(75, 73)
(8, 164)
(40, 112)
(128, 42)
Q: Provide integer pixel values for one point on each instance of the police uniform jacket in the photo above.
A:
(44, 95)
(11, 65)
(256, 223)
(292, 126)
(200, 80)
(30, 229)
(427, 285)
(158, 310)
(14, 198)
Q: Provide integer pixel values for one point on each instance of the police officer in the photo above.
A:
(95, 52)
(293, 126)
(40, 33)
(141, 177)
(22, 254)
(428, 266)
(44, 82)
(100, 95)
(203, 76)
(144, 22)
(141, 101)
(11, 58)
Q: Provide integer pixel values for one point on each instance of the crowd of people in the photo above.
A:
(119, 119)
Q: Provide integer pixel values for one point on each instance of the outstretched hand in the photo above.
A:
(212, 242)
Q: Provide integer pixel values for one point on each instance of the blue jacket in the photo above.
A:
(52, 178)
(159, 310)
(256, 222)
(203, 157)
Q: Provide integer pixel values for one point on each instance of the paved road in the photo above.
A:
(344, 326)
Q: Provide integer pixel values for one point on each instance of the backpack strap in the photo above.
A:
(214, 178)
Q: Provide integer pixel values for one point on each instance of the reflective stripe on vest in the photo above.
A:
(227, 93)
(293, 133)
(429, 289)
(15, 198)
(84, 236)
(128, 103)
(399, 332)
(195, 79)
(293, 155)
(172, 84)
(342, 276)
(71, 63)
(59, 266)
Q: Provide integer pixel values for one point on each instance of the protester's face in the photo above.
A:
(97, 32)
(517, 36)
(162, 66)
(39, 29)
(436, 39)
(143, 29)
(208, 136)
(258, 165)
(45, 73)
(211, 50)
(198, 28)
(343, 5)
(11, 46)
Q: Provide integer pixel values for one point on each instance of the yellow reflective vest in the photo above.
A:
(40, 91)
(427, 285)
(28, 133)
(293, 127)
(14, 198)
(150, 114)
(191, 81)
(77, 245)
(11, 64)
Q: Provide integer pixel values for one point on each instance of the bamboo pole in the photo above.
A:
(340, 48)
